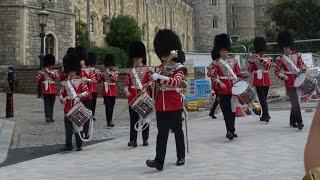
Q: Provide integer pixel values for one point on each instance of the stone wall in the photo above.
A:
(204, 14)
(150, 14)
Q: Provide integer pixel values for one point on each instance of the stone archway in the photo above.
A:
(51, 44)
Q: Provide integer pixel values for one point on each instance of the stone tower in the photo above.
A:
(210, 19)
(241, 18)
(19, 29)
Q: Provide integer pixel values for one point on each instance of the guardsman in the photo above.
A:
(259, 66)
(288, 67)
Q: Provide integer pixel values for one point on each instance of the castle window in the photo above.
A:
(106, 25)
(214, 2)
(77, 13)
(144, 31)
(105, 3)
(91, 23)
(233, 9)
(234, 23)
(50, 44)
(215, 22)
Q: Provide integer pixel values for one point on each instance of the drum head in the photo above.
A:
(299, 80)
(239, 87)
(140, 98)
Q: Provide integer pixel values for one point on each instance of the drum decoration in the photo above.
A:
(79, 114)
(143, 105)
(306, 83)
(244, 93)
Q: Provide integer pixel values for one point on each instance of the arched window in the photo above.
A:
(91, 23)
(233, 9)
(215, 22)
(50, 44)
(144, 31)
(106, 25)
(214, 2)
(234, 23)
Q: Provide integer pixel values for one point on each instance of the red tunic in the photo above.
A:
(255, 64)
(96, 78)
(109, 82)
(131, 83)
(218, 72)
(80, 87)
(168, 97)
(282, 64)
(48, 78)
(86, 73)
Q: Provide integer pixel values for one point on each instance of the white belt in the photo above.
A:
(226, 77)
(288, 72)
(134, 87)
(112, 83)
(169, 89)
(263, 71)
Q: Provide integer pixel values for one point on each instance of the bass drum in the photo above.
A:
(244, 93)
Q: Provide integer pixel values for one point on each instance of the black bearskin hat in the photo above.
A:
(81, 52)
(92, 59)
(70, 50)
(48, 60)
(182, 57)
(215, 54)
(284, 39)
(137, 50)
(259, 44)
(166, 41)
(109, 60)
(222, 41)
(71, 62)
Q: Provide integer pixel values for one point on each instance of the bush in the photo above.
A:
(121, 56)
(123, 31)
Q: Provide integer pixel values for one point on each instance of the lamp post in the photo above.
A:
(43, 18)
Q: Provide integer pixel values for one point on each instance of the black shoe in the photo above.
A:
(300, 126)
(50, 120)
(180, 162)
(79, 149)
(132, 144)
(262, 119)
(235, 135)
(145, 143)
(64, 149)
(229, 136)
(110, 125)
(294, 125)
(154, 164)
(210, 114)
(214, 117)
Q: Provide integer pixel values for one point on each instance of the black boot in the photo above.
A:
(79, 148)
(180, 162)
(294, 125)
(64, 149)
(132, 144)
(229, 136)
(145, 143)
(300, 126)
(235, 135)
(154, 164)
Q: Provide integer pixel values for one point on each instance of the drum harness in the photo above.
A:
(227, 65)
(72, 93)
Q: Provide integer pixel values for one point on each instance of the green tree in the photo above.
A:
(123, 31)
(271, 30)
(82, 34)
(299, 16)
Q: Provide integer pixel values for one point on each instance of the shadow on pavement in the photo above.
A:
(25, 154)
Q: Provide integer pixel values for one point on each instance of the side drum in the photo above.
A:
(242, 90)
(306, 83)
(143, 105)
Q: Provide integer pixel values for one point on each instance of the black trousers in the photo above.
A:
(69, 131)
(214, 106)
(109, 102)
(11, 86)
(134, 118)
(9, 105)
(86, 125)
(295, 114)
(262, 92)
(228, 115)
(165, 121)
(94, 103)
(49, 100)
(39, 90)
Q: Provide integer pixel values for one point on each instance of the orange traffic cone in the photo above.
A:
(239, 111)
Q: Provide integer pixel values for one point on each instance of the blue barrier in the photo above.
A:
(202, 90)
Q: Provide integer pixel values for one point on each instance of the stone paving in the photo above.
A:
(262, 151)
(6, 131)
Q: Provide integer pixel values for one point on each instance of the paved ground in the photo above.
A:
(263, 151)
(6, 131)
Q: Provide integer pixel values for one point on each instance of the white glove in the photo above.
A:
(156, 76)
(89, 81)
